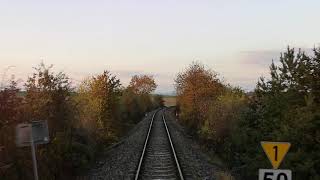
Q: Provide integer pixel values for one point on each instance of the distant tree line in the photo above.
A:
(82, 121)
(231, 123)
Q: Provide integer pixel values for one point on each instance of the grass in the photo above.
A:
(222, 175)
(169, 100)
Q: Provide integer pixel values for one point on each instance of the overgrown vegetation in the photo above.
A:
(225, 119)
(283, 108)
(81, 121)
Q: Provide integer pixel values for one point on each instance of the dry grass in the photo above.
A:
(169, 100)
(222, 175)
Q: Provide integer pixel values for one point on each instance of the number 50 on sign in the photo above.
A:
(272, 174)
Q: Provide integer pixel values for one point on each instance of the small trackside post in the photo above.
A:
(34, 158)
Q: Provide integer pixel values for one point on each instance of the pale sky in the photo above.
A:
(236, 38)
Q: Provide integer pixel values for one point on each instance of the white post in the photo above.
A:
(34, 159)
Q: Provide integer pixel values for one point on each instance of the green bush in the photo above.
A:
(284, 108)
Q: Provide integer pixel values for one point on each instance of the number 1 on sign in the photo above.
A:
(275, 153)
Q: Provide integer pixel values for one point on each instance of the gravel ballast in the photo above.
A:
(121, 160)
(195, 164)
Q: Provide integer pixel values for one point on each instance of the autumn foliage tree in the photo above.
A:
(196, 88)
(137, 98)
(207, 106)
(142, 84)
(98, 101)
(158, 100)
(48, 98)
(223, 114)
(82, 121)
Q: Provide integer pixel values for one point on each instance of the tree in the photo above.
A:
(10, 110)
(132, 107)
(196, 88)
(10, 103)
(142, 84)
(283, 108)
(136, 99)
(98, 99)
(223, 113)
(47, 98)
(158, 101)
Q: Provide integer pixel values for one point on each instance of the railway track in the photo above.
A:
(158, 157)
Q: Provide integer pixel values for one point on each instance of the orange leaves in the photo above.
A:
(196, 88)
(136, 98)
(143, 84)
(98, 101)
(207, 107)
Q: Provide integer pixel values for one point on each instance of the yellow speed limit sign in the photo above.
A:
(275, 151)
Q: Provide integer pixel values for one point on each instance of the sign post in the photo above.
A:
(31, 134)
(275, 152)
(34, 159)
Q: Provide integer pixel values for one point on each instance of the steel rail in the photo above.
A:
(172, 148)
(145, 146)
